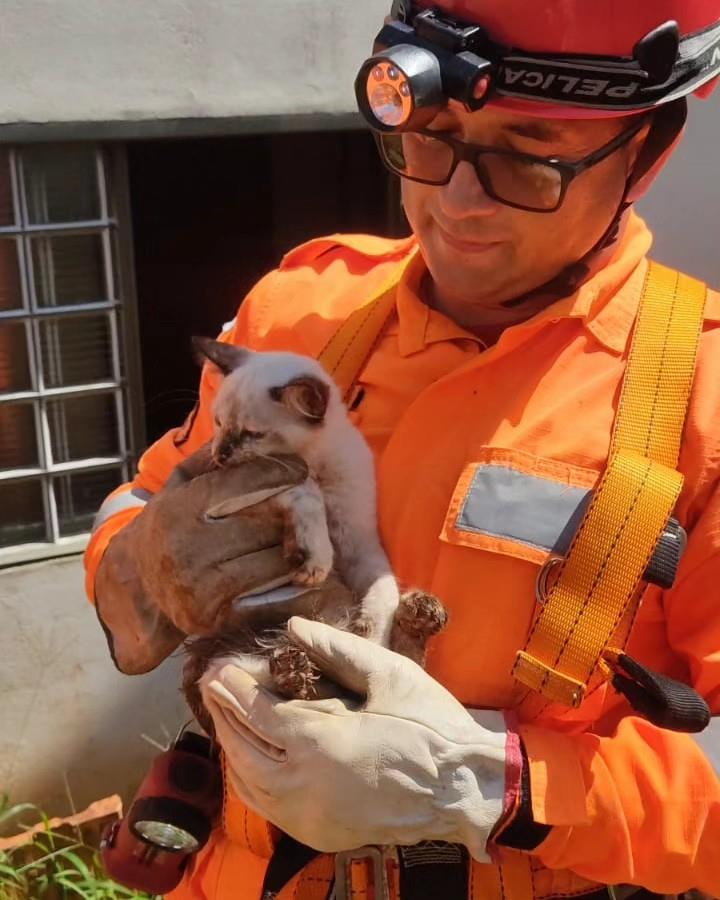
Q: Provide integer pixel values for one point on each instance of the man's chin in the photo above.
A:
(471, 250)
(465, 273)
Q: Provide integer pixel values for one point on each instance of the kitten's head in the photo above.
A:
(268, 403)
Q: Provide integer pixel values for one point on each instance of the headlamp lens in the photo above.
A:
(389, 95)
(168, 837)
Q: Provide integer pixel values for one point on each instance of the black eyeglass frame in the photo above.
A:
(472, 153)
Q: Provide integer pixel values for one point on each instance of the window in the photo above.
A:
(65, 441)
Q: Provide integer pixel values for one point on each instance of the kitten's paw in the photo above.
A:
(311, 568)
(418, 617)
(420, 614)
(293, 674)
(310, 575)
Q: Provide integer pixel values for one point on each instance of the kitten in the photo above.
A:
(274, 403)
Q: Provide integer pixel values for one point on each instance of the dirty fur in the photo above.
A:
(272, 404)
(271, 657)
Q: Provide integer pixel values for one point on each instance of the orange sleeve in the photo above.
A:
(642, 805)
(159, 460)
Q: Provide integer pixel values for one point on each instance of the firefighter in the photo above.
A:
(523, 135)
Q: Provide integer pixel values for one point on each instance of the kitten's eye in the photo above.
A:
(251, 435)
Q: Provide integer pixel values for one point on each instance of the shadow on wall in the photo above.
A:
(683, 207)
(65, 710)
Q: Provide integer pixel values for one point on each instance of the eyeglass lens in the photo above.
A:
(508, 178)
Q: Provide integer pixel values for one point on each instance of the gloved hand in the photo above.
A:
(179, 567)
(404, 764)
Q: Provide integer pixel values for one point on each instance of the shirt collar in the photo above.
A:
(606, 302)
(419, 325)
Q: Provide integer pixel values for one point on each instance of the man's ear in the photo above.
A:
(307, 396)
(226, 357)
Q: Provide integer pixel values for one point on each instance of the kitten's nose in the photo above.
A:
(221, 456)
(224, 449)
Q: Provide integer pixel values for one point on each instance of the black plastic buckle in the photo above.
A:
(446, 32)
(658, 51)
(663, 701)
(665, 561)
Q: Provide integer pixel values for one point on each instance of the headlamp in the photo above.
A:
(417, 68)
(423, 58)
(170, 818)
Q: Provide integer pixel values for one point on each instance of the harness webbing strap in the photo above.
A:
(289, 858)
(346, 353)
(661, 368)
(434, 869)
(597, 586)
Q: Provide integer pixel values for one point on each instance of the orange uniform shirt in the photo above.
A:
(459, 431)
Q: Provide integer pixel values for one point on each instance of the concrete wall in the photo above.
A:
(114, 60)
(64, 709)
(684, 205)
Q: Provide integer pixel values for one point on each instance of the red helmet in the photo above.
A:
(574, 59)
(610, 28)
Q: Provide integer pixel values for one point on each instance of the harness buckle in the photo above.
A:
(377, 857)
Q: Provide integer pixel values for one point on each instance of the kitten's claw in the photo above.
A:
(310, 575)
(311, 568)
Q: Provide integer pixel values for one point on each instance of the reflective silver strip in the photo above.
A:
(709, 742)
(504, 503)
(129, 500)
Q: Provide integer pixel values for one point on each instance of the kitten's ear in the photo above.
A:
(226, 357)
(308, 396)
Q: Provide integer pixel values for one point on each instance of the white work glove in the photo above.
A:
(409, 764)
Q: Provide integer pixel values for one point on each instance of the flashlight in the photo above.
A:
(170, 818)
(416, 68)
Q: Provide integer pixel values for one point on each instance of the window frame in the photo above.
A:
(119, 309)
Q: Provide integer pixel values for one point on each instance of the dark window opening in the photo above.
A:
(212, 216)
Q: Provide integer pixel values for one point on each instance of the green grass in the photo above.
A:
(57, 865)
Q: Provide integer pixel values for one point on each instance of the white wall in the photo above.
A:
(109, 60)
(64, 709)
(683, 207)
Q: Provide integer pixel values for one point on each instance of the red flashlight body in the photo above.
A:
(180, 795)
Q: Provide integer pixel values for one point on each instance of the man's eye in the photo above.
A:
(251, 435)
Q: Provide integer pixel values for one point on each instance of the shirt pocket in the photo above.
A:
(517, 504)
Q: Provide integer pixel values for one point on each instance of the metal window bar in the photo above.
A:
(49, 312)
(53, 393)
(32, 315)
(89, 226)
(68, 468)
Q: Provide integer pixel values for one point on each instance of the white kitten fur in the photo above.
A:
(266, 404)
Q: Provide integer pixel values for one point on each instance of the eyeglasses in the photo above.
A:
(520, 180)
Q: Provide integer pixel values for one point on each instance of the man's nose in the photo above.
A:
(464, 196)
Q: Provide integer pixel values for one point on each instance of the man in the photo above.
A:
(488, 398)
